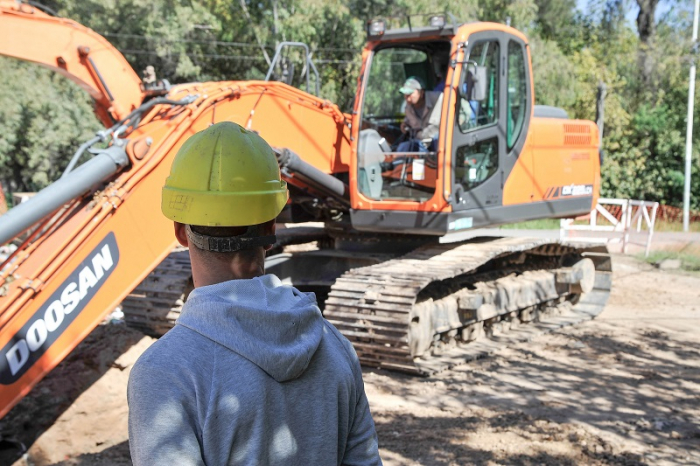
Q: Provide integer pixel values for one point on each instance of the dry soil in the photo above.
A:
(623, 389)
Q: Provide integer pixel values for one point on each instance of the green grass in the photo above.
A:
(553, 224)
(676, 226)
(689, 262)
(543, 224)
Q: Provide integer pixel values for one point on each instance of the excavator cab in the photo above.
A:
(456, 179)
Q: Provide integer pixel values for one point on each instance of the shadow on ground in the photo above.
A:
(118, 455)
(642, 389)
(451, 441)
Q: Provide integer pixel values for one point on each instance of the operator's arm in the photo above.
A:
(411, 122)
(404, 126)
(428, 132)
(162, 418)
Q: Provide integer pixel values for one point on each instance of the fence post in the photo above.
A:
(652, 221)
(594, 215)
(626, 219)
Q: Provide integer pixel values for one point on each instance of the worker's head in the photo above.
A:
(413, 90)
(224, 193)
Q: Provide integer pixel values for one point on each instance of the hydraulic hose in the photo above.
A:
(101, 137)
(134, 118)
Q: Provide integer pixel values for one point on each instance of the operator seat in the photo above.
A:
(370, 155)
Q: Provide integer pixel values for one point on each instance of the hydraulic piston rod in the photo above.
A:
(291, 162)
(51, 198)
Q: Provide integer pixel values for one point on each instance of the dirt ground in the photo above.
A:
(623, 389)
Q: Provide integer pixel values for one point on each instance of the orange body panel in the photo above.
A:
(143, 238)
(287, 117)
(557, 153)
(70, 49)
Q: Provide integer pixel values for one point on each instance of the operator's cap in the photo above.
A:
(412, 84)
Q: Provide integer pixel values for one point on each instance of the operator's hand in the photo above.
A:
(404, 127)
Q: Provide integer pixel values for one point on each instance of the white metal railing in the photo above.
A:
(633, 212)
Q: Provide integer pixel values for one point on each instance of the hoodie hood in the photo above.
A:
(275, 326)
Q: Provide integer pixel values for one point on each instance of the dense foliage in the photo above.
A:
(644, 65)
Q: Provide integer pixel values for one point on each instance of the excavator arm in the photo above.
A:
(74, 51)
(104, 232)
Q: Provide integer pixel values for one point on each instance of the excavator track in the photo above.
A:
(154, 305)
(478, 297)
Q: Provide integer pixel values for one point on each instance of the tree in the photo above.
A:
(555, 17)
(553, 73)
(176, 37)
(646, 27)
(522, 13)
(43, 119)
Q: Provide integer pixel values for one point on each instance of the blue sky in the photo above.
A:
(632, 8)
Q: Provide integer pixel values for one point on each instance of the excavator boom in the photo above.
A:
(74, 51)
(80, 262)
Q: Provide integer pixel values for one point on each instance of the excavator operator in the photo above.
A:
(422, 120)
(251, 373)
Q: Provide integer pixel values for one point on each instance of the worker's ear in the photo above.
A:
(269, 228)
(181, 234)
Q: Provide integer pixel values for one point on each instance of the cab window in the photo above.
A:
(475, 163)
(478, 103)
(383, 103)
(517, 92)
(396, 163)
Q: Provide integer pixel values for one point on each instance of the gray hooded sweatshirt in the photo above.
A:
(251, 374)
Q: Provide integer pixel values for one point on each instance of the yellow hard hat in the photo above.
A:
(224, 176)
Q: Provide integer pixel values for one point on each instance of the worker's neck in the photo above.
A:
(207, 271)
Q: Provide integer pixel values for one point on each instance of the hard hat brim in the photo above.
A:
(223, 209)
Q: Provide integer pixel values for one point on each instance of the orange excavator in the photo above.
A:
(402, 252)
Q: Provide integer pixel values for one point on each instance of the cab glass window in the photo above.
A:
(476, 163)
(385, 170)
(382, 101)
(517, 92)
(478, 102)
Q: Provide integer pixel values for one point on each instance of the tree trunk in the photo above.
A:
(646, 28)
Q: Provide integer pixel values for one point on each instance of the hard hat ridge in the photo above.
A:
(224, 176)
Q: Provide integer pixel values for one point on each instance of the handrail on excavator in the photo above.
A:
(309, 64)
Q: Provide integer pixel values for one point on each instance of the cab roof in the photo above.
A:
(439, 25)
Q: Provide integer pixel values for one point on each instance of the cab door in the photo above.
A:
(490, 127)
